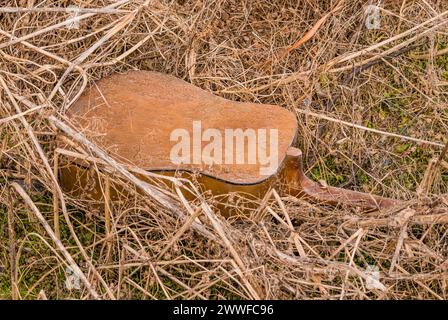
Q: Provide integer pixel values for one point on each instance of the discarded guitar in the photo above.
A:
(164, 124)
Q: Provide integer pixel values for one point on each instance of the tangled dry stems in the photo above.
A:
(153, 243)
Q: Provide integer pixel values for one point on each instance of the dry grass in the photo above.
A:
(158, 245)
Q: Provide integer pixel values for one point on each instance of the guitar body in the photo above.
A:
(166, 125)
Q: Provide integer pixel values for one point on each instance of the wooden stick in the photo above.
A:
(180, 232)
(12, 249)
(428, 178)
(401, 237)
(107, 206)
(66, 10)
(16, 116)
(428, 55)
(357, 126)
(345, 243)
(57, 26)
(426, 219)
(56, 223)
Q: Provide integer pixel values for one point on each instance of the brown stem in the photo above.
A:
(12, 249)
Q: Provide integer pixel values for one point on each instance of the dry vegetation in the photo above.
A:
(247, 51)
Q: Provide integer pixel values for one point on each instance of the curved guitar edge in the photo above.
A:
(301, 186)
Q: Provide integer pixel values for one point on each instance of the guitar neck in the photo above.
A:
(298, 184)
